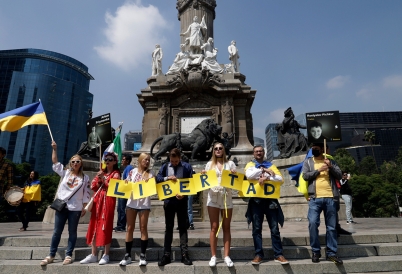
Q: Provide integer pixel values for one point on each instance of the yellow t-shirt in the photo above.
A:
(322, 183)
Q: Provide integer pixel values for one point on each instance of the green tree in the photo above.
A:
(367, 166)
(345, 161)
(370, 137)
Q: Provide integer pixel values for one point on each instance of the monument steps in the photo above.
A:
(383, 264)
(361, 253)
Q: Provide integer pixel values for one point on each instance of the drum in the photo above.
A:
(14, 196)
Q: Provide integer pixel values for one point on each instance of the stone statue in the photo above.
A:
(157, 56)
(197, 33)
(227, 117)
(90, 148)
(290, 140)
(198, 141)
(209, 61)
(180, 62)
(163, 114)
(234, 56)
(226, 142)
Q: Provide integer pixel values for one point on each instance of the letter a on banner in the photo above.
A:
(233, 181)
(167, 189)
(205, 181)
(144, 189)
(119, 189)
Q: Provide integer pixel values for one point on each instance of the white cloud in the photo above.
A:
(363, 93)
(337, 82)
(393, 81)
(131, 34)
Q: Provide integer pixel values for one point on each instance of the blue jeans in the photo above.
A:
(258, 210)
(60, 220)
(190, 209)
(316, 206)
(121, 213)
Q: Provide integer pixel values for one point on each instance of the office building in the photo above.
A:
(271, 140)
(62, 85)
(132, 140)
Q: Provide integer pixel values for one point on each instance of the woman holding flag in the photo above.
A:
(140, 207)
(220, 202)
(101, 224)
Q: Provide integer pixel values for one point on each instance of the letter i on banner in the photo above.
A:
(205, 181)
(167, 189)
(233, 181)
(119, 189)
(144, 189)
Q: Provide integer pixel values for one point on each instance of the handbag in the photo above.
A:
(59, 204)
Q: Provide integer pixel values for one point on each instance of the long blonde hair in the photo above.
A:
(214, 159)
(145, 173)
(80, 173)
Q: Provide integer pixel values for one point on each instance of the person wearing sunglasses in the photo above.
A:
(74, 187)
(261, 170)
(220, 203)
(101, 224)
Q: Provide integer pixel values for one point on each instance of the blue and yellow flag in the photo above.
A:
(32, 114)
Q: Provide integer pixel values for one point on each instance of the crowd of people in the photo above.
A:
(323, 175)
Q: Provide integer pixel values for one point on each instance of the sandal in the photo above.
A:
(68, 260)
(46, 261)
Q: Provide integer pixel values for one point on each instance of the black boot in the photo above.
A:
(165, 260)
(185, 259)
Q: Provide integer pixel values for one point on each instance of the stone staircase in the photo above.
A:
(374, 252)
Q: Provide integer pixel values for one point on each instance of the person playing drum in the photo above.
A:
(71, 179)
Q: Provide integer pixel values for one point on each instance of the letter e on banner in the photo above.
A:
(233, 181)
(187, 187)
(205, 181)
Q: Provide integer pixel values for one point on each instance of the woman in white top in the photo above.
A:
(140, 207)
(74, 187)
(217, 197)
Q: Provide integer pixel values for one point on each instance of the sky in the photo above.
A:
(311, 55)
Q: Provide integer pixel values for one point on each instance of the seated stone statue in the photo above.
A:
(180, 62)
(290, 140)
(209, 61)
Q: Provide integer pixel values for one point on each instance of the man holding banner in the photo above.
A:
(173, 171)
(264, 171)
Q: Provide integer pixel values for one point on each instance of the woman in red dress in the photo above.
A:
(101, 224)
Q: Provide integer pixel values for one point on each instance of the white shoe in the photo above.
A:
(228, 261)
(104, 260)
(142, 262)
(126, 260)
(212, 262)
(89, 259)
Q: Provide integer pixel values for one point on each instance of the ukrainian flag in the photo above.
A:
(32, 114)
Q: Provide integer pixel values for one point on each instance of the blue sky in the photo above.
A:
(312, 55)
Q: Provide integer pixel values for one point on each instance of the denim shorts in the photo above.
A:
(137, 209)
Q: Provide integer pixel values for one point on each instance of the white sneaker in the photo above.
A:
(228, 261)
(89, 259)
(212, 262)
(104, 260)
(142, 262)
(126, 260)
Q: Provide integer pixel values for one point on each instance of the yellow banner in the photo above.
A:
(167, 189)
(144, 189)
(252, 188)
(205, 181)
(119, 189)
(187, 187)
(230, 180)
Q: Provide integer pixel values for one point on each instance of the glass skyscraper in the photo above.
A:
(62, 85)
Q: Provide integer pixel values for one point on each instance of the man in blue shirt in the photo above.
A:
(174, 170)
(121, 202)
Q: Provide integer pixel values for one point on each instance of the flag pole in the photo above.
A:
(325, 148)
(100, 156)
(48, 127)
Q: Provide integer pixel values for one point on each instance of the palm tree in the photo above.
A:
(370, 136)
